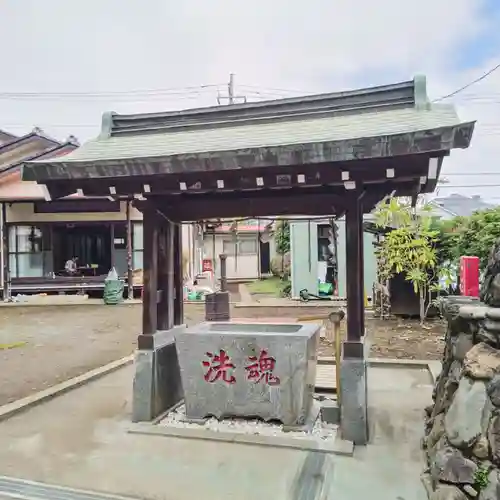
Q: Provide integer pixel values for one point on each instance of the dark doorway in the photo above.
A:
(90, 243)
(265, 258)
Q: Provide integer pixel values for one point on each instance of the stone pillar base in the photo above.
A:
(157, 381)
(353, 400)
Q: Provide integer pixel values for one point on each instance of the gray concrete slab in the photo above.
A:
(80, 440)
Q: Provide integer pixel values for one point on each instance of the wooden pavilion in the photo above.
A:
(327, 154)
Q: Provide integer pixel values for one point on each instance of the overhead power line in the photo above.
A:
(451, 186)
(470, 84)
(470, 174)
(174, 91)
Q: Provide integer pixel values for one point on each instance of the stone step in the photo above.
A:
(325, 378)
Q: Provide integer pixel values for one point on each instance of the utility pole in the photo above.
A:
(231, 97)
(230, 89)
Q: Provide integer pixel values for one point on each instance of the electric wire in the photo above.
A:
(470, 84)
(106, 94)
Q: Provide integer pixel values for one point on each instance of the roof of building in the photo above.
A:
(15, 153)
(53, 152)
(6, 137)
(399, 116)
(460, 205)
(36, 133)
(272, 133)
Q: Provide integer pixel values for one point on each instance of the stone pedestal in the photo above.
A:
(249, 370)
(217, 306)
(157, 383)
(353, 399)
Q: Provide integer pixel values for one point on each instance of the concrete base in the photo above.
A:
(330, 412)
(157, 380)
(353, 400)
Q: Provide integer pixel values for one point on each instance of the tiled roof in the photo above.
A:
(282, 131)
(464, 206)
(6, 137)
(361, 124)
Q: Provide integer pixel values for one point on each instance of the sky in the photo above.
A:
(77, 60)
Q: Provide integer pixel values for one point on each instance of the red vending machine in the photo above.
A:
(469, 276)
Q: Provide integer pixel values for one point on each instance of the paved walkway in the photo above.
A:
(80, 440)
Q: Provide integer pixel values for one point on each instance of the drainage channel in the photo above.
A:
(29, 490)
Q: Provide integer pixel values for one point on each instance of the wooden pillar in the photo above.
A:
(165, 275)
(4, 250)
(178, 277)
(353, 348)
(361, 274)
(223, 272)
(150, 273)
(130, 274)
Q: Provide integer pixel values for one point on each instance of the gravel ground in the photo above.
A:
(320, 430)
(65, 341)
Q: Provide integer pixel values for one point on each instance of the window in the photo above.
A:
(244, 246)
(30, 251)
(325, 252)
(137, 245)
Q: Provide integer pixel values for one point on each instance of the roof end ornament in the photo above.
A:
(421, 98)
(106, 124)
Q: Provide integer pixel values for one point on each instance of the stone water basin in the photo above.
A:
(264, 370)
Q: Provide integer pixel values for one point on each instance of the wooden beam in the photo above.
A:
(217, 206)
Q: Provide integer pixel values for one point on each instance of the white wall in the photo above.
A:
(241, 266)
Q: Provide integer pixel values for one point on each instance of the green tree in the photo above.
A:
(475, 235)
(282, 237)
(409, 247)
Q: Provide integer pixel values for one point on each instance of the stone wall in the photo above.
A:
(462, 427)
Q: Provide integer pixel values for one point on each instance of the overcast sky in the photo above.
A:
(159, 53)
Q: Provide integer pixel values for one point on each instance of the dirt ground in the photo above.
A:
(61, 342)
(399, 339)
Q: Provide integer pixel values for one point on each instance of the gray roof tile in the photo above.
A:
(283, 131)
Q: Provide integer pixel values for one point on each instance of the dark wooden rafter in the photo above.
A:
(402, 168)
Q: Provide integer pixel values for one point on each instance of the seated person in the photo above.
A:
(70, 266)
